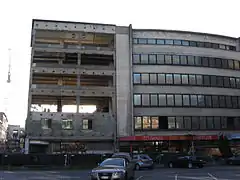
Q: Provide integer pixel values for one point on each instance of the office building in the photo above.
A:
(148, 86)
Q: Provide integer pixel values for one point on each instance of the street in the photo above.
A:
(207, 173)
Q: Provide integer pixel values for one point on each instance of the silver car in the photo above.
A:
(113, 169)
(142, 161)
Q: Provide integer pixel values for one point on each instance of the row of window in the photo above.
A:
(186, 79)
(178, 42)
(186, 100)
(186, 122)
(184, 60)
(67, 124)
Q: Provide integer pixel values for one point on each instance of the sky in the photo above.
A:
(210, 16)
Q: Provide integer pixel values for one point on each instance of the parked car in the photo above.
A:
(142, 161)
(235, 160)
(186, 161)
(113, 169)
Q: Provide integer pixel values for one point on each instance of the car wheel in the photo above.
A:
(190, 165)
(170, 165)
(137, 167)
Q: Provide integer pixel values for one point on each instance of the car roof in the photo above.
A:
(114, 158)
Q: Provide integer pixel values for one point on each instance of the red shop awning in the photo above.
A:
(168, 138)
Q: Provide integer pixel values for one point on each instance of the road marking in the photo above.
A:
(176, 177)
(139, 177)
(212, 176)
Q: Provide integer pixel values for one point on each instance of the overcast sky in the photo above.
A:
(211, 16)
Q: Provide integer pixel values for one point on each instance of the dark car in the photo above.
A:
(235, 160)
(113, 169)
(186, 161)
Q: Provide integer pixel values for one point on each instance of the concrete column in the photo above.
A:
(238, 44)
(78, 83)
(59, 105)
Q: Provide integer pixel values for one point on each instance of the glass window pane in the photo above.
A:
(138, 122)
(144, 78)
(205, 61)
(187, 122)
(226, 81)
(185, 43)
(208, 101)
(215, 101)
(199, 79)
(183, 60)
(178, 100)
(200, 44)
(198, 61)
(193, 100)
(222, 46)
(213, 81)
(153, 78)
(238, 82)
(145, 100)
(136, 78)
(152, 59)
(186, 100)
(195, 122)
(191, 60)
(151, 41)
(160, 59)
(212, 62)
(218, 63)
(232, 82)
(169, 79)
(161, 79)
(170, 100)
(207, 45)
(193, 43)
(169, 41)
(203, 123)
(201, 101)
(206, 80)
(223, 123)
(154, 99)
(136, 59)
(228, 101)
(177, 42)
(160, 41)
(176, 59)
(135, 41)
(225, 63)
(192, 79)
(222, 101)
(142, 41)
(162, 100)
(137, 100)
(171, 123)
(236, 65)
(184, 79)
(210, 124)
(217, 122)
(179, 122)
(155, 122)
(144, 59)
(146, 122)
(234, 102)
(215, 46)
(177, 78)
(230, 64)
(219, 81)
(168, 59)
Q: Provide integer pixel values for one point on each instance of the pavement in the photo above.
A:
(206, 173)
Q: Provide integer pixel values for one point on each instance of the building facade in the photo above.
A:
(147, 86)
(3, 130)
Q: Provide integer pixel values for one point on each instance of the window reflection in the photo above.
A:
(171, 123)
(153, 78)
(145, 78)
(179, 122)
(138, 123)
(152, 59)
(178, 100)
(184, 79)
(177, 42)
(169, 42)
(170, 100)
(160, 41)
(169, 79)
(137, 78)
(177, 79)
(136, 58)
(161, 78)
(160, 59)
(176, 59)
(151, 41)
(144, 59)
(155, 122)
(185, 43)
(145, 100)
(137, 99)
(146, 122)
(154, 100)
(168, 59)
(162, 100)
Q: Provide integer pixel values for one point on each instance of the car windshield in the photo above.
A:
(113, 162)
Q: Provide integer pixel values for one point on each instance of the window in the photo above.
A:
(153, 78)
(208, 101)
(145, 79)
(178, 100)
(161, 78)
(176, 59)
(199, 79)
(200, 44)
(151, 41)
(228, 101)
(177, 42)
(160, 59)
(162, 100)
(213, 81)
(201, 101)
(202, 123)
(219, 81)
(226, 82)
(193, 43)
(137, 100)
(215, 102)
(142, 41)
(135, 41)
(195, 122)
(154, 100)
(170, 100)
(236, 64)
(184, 79)
(192, 79)
(177, 79)
(191, 60)
(187, 123)
(168, 59)
(145, 100)
(136, 78)
(193, 100)
(179, 122)
(146, 122)
(234, 102)
(171, 123)
(221, 46)
(155, 122)
(67, 124)
(230, 64)
(185, 43)
(169, 42)
(144, 59)
(169, 79)
(210, 123)
(238, 83)
(206, 80)
(136, 59)
(46, 123)
(138, 122)
(212, 62)
(222, 101)
(87, 124)
(183, 60)
(186, 100)
(198, 61)
(232, 82)
(152, 59)
(205, 61)
(160, 41)
(217, 122)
